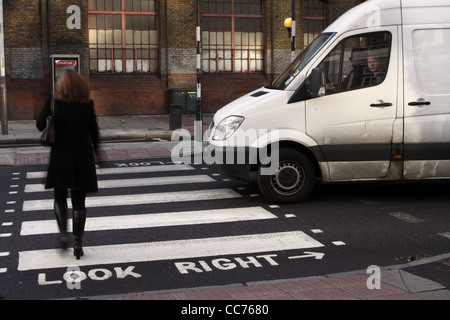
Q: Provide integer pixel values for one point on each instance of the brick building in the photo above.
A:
(135, 53)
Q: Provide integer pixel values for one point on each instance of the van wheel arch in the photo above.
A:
(294, 145)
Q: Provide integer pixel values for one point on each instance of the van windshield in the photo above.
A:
(294, 69)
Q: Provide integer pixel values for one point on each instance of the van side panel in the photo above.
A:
(355, 126)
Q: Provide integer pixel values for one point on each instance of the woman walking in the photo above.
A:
(72, 163)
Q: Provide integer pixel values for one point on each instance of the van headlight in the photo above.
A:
(227, 127)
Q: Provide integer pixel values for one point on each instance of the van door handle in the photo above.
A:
(419, 103)
(380, 105)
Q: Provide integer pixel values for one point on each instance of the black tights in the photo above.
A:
(78, 198)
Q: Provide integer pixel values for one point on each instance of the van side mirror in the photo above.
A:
(315, 84)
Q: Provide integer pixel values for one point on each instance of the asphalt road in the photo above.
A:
(155, 225)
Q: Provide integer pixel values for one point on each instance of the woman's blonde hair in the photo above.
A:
(71, 87)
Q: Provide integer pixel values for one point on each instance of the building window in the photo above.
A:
(315, 20)
(232, 36)
(123, 36)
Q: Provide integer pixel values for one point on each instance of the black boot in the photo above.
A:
(61, 219)
(79, 220)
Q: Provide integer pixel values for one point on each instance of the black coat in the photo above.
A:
(72, 163)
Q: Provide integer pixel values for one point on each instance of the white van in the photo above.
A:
(368, 100)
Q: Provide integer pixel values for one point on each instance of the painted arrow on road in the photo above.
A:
(316, 255)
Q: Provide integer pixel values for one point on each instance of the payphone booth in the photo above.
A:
(62, 62)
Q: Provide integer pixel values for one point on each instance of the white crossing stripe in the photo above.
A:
(124, 183)
(125, 170)
(152, 220)
(406, 217)
(167, 250)
(136, 199)
(445, 234)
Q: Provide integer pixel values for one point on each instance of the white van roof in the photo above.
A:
(377, 13)
(416, 12)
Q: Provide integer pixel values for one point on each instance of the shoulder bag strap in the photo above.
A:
(53, 105)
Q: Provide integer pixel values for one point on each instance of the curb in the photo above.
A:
(105, 136)
(390, 276)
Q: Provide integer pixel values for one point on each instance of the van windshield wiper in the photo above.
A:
(271, 86)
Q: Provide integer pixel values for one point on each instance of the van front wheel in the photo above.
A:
(292, 181)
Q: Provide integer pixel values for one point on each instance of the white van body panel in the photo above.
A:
(369, 15)
(259, 119)
(249, 104)
(283, 134)
(427, 80)
(346, 123)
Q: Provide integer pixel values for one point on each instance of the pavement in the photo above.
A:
(421, 279)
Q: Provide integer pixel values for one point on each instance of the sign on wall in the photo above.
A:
(62, 62)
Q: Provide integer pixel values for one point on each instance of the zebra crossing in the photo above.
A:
(140, 198)
(168, 250)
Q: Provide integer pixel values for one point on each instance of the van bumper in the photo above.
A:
(230, 162)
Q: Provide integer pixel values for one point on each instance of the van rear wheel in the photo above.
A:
(292, 181)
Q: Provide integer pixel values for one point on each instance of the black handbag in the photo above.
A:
(48, 135)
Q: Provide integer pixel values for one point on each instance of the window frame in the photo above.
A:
(367, 80)
(123, 46)
(233, 46)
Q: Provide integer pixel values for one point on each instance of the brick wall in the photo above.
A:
(36, 29)
(23, 39)
(336, 8)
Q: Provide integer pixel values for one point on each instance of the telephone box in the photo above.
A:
(62, 62)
